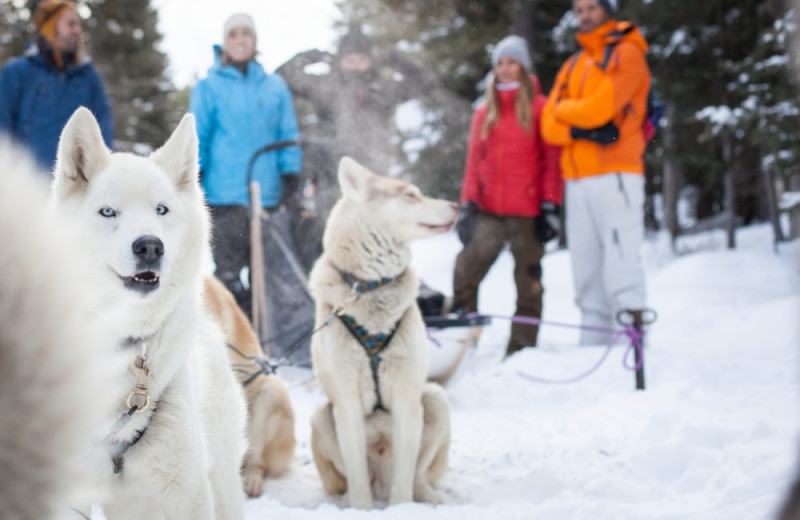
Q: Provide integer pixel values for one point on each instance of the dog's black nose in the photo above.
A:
(148, 248)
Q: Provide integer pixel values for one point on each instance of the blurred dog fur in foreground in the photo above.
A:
(58, 367)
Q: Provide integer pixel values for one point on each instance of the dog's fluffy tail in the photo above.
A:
(57, 364)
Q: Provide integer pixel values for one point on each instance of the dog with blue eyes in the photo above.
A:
(177, 438)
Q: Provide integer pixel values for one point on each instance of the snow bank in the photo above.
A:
(713, 437)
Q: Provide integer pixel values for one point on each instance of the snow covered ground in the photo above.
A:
(714, 436)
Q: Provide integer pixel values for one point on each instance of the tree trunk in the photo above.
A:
(730, 189)
(671, 177)
(523, 22)
(794, 213)
(772, 203)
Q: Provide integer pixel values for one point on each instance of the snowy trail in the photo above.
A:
(715, 435)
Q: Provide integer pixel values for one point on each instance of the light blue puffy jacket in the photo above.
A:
(236, 115)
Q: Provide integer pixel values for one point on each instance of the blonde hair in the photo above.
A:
(522, 104)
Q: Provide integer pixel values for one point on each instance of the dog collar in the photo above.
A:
(138, 400)
(361, 286)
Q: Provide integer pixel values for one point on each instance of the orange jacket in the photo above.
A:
(586, 96)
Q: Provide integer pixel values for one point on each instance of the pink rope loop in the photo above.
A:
(633, 334)
(636, 345)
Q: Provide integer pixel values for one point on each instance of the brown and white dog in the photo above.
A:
(385, 433)
(270, 422)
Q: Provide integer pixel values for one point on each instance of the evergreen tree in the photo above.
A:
(122, 37)
(721, 65)
(15, 29)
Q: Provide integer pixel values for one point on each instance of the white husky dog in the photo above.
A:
(179, 455)
(386, 432)
(57, 353)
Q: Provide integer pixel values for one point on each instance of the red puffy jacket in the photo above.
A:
(511, 171)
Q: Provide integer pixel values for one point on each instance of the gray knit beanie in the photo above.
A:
(239, 20)
(514, 47)
(610, 6)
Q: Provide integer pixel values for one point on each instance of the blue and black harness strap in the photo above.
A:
(374, 345)
(361, 286)
(253, 367)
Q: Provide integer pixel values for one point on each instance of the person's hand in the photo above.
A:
(548, 223)
(291, 193)
(467, 219)
(602, 135)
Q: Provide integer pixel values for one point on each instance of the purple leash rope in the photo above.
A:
(635, 346)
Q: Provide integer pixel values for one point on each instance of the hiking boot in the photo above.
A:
(522, 336)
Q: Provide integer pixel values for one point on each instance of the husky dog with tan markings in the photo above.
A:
(270, 417)
(385, 432)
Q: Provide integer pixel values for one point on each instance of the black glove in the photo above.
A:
(291, 192)
(602, 135)
(548, 224)
(467, 219)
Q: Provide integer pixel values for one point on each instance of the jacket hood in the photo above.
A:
(611, 32)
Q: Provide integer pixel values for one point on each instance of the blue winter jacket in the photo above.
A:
(236, 115)
(36, 100)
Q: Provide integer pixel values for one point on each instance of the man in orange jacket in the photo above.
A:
(595, 113)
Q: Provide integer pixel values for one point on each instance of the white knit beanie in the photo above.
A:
(239, 20)
(514, 47)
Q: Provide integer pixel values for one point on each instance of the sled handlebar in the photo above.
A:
(278, 145)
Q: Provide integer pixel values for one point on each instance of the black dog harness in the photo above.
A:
(117, 450)
(373, 344)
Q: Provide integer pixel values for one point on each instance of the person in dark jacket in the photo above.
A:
(240, 108)
(40, 91)
(352, 103)
(512, 189)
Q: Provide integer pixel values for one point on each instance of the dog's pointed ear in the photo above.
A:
(354, 178)
(82, 153)
(179, 155)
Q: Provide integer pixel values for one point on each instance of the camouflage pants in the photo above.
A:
(491, 234)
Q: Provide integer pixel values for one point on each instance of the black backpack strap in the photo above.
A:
(616, 36)
(573, 61)
(609, 50)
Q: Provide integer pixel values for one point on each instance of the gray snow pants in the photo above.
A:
(605, 230)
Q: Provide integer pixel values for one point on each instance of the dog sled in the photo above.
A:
(284, 245)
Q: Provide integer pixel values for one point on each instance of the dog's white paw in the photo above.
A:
(253, 482)
(428, 494)
(397, 497)
(357, 500)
